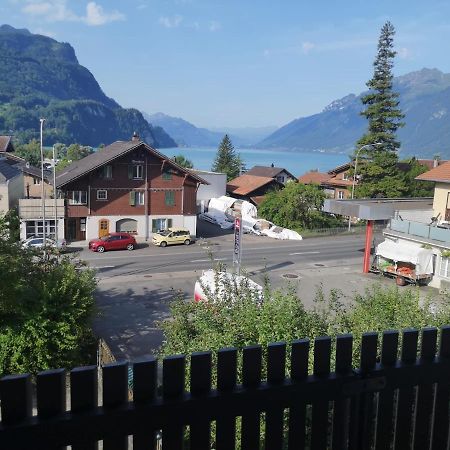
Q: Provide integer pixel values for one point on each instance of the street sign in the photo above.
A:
(237, 251)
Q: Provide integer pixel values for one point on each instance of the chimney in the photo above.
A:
(135, 137)
(435, 162)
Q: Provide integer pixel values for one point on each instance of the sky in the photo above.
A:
(236, 63)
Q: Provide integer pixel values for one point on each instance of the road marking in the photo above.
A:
(207, 260)
(304, 253)
(103, 267)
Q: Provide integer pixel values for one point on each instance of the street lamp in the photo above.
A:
(43, 188)
(354, 174)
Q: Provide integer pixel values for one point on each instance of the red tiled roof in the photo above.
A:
(313, 178)
(439, 173)
(245, 184)
(337, 182)
(431, 162)
(263, 171)
(257, 200)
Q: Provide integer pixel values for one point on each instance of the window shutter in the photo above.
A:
(130, 172)
(169, 223)
(132, 198)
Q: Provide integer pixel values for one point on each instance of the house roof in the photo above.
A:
(431, 162)
(5, 143)
(258, 199)
(246, 184)
(440, 173)
(263, 171)
(34, 171)
(340, 168)
(7, 172)
(108, 154)
(313, 177)
(337, 182)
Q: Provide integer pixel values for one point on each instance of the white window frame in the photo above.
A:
(138, 171)
(139, 198)
(36, 181)
(76, 197)
(340, 195)
(103, 191)
(444, 267)
(345, 176)
(107, 172)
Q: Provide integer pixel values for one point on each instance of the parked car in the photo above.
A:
(172, 236)
(218, 284)
(38, 242)
(113, 241)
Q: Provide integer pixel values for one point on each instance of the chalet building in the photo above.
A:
(6, 145)
(32, 180)
(252, 188)
(129, 187)
(277, 173)
(11, 186)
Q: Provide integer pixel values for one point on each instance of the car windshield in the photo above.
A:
(164, 232)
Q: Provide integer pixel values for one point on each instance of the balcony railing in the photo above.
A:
(31, 208)
(388, 402)
(420, 230)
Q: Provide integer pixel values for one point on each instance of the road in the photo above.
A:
(135, 288)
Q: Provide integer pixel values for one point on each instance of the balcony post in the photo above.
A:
(368, 246)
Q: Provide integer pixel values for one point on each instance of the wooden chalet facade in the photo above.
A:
(128, 187)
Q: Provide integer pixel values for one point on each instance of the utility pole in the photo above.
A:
(54, 195)
(44, 241)
(237, 250)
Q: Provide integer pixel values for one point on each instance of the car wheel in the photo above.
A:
(163, 244)
(130, 247)
(100, 249)
(187, 242)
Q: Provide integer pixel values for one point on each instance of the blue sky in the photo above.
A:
(236, 63)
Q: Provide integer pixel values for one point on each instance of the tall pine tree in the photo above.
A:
(378, 171)
(227, 161)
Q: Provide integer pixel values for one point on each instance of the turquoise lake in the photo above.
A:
(295, 162)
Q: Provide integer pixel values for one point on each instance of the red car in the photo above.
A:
(113, 241)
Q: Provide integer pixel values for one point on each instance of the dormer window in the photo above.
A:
(166, 175)
(136, 172)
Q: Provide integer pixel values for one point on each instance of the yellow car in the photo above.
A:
(172, 236)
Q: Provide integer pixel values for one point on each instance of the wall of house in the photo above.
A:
(10, 192)
(144, 226)
(35, 190)
(441, 191)
(119, 187)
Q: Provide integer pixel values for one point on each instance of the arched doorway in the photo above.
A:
(103, 227)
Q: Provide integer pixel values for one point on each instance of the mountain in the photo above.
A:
(424, 99)
(40, 77)
(188, 135)
(183, 132)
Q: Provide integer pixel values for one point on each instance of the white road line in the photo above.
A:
(103, 267)
(304, 253)
(207, 260)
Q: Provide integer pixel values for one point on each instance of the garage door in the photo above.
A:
(126, 226)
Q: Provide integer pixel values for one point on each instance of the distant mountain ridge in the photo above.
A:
(424, 99)
(40, 77)
(188, 135)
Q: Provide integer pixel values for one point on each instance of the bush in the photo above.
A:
(45, 311)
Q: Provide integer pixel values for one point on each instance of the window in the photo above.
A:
(106, 171)
(345, 176)
(444, 269)
(126, 226)
(340, 195)
(166, 175)
(137, 198)
(280, 179)
(36, 180)
(161, 224)
(102, 194)
(77, 197)
(35, 228)
(136, 172)
(170, 198)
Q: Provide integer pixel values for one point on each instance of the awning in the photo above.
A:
(402, 251)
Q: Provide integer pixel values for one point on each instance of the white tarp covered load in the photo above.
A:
(220, 209)
(402, 251)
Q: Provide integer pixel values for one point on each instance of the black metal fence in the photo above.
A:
(398, 397)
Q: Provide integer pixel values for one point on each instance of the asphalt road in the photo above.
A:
(135, 288)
